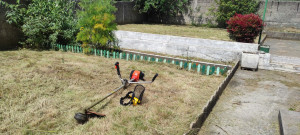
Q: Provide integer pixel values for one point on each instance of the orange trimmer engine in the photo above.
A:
(136, 75)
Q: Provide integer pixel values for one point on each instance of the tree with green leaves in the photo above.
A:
(44, 23)
(96, 23)
(228, 8)
(161, 9)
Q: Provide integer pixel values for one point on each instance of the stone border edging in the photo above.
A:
(198, 66)
(178, 59)
(280, 123)
(196, 126)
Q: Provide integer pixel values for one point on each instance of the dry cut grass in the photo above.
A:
(41, 91)
(178, 30)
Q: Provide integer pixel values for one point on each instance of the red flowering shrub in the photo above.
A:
(244, 28)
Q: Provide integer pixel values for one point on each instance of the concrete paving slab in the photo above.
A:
(285, 60)
(289, 122)
(284, 47)
(251, 101)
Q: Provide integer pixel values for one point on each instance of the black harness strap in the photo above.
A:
(127, 96)
(138, 91)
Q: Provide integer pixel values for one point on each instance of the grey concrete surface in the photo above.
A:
(284, 47)
(283, 35)
(250, 103)
(284, 55)
(264, 60)
(279, 63)
(289, 122)
(182, 46)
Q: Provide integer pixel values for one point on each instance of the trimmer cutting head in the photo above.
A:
(82, 118)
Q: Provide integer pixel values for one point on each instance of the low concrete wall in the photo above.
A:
(183, 46)
(279, 63)
(127, 14)
(283, 35)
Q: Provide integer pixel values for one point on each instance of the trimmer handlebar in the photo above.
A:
(118, 69)
(154, 77)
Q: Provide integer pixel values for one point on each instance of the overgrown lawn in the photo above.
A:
(41, 91)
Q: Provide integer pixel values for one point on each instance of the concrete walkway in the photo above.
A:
(284, 55)
(282, 47)
(251, 102)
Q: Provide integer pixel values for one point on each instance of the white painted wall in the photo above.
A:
(195, 47)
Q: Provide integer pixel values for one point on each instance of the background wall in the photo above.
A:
(198, 12)
(9, 35)
(126, 13)
(283, 14)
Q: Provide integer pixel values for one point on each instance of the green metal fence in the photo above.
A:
(203, 68)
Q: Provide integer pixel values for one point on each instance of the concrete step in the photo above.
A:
(285, 63)
(285, 67)
(285, 60)
(289, 122)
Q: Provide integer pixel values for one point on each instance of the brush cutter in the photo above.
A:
(134, 79)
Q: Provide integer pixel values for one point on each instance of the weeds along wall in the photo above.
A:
(203, 68)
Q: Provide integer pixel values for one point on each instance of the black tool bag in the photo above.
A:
(135, 96)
